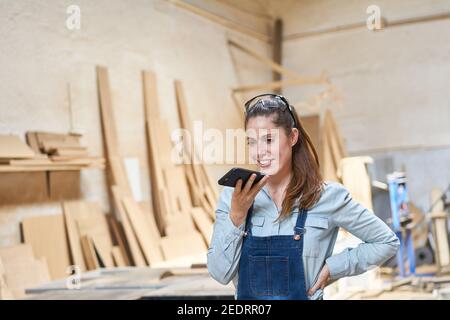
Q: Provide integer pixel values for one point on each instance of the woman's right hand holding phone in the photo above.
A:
(243, 198)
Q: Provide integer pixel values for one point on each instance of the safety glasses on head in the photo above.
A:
(260, 99)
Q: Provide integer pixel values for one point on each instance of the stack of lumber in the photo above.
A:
(158, 233)
(58, 145)
(90, 241)
(83, 236)
(45, 151)
(19, 269)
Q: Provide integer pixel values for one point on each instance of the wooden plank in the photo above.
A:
(116, 167)
(279, 84)
(203, 224)
(118, 257)
(174, 246)
(135, 251)
(71, 211)
(311, 124)
(146, 238)
(51, 245)
(148, 214)
(277, 50)
(151, 112)
(107, 112)
(120, 240)
(33, 142)
(43, 136)
(156, 176)
(30, 162)
(70, 152)
(24, 169)
(89, 253)
(266, 61)
(151, 103)
(104, 257)
(11, 147)
(201, 177)
(96, 227)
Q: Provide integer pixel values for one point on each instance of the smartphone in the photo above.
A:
(231, 177)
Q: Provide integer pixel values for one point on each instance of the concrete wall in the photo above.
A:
(393, 83)
(39, 57)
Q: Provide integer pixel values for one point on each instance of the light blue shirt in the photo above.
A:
(335, 209)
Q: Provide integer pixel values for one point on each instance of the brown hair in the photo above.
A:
(306, 182)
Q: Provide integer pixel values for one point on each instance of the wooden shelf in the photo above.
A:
(57, 166)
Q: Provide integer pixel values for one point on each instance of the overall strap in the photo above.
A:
(247, 226)
(299, 228)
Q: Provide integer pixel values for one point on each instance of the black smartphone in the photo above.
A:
(231, 177)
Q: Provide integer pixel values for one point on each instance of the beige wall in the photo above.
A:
(39, 56)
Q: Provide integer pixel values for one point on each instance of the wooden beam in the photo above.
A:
(277, 51)
(70, 210)
(270, 63)
(360, 25)
(221, 20)
(280, 84)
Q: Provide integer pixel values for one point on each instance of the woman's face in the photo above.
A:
(269, 146)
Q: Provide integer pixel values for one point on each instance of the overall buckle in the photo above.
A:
(298, 232)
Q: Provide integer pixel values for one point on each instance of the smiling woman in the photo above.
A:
(275, 238)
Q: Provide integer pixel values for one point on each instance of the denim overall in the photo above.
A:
(271, 268)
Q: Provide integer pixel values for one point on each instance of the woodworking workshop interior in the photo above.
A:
(225, 150)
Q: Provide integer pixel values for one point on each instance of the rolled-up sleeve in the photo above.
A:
(225, 248)
(379, 241)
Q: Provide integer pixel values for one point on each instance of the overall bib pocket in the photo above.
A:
(269, 275)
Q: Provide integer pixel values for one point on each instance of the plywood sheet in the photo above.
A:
(51, 245)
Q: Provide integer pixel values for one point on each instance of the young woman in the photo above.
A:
(274, 239)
